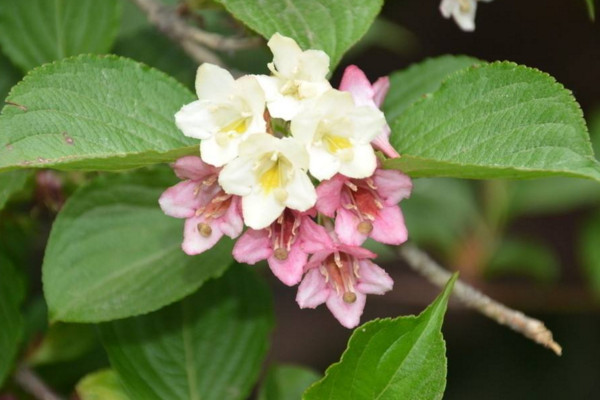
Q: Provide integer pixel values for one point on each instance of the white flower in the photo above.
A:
(463, 12)
(269, 174)
(226, 112)
(337, 134)
(297, 75)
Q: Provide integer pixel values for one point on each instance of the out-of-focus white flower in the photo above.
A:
(226, 112)
(337, 134)
(297, 76)
(463, 12)
(269, 174)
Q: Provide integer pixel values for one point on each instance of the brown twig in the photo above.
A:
(198, 44)
(516, 320)
(32, 384)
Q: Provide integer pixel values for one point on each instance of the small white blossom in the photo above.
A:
(297, 76)
(463, 12)
(337, 134)
(269, 174)
(226, 112)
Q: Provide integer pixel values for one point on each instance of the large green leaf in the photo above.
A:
(208, 346)
(492, 121)
(11, 182)
(93, 112)
(35, 32)
(401, 358)
(329, 25)
(12, 293)
(101, 385)
(112, 253)
(411, 84)
(286, 382)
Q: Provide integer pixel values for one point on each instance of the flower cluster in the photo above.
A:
(294, 160)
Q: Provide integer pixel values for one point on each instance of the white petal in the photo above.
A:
(260, 210)
(194, 120)
(215, 154)
(286, 53)
(313, 65)
(294, 151)
(258, 143)
(322, 164)
(368, 123)
(301, 192)
(304, 126)
(285, 107)
(237, 177)
(363, 163)
(213, 82)
(270, 86)
(447, 7)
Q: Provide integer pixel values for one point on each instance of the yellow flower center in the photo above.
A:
(273, 175)
(336, 143)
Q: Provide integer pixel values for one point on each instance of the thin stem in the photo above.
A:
(516, 320)
(32, 384)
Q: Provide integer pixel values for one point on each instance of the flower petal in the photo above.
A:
(194, 242)
(346, 228)
(195, 120)
(363, 162)
(286, 53)
(389, 227)
(313, 237)
(213, 82)
(289, 271)
(329, 195)
(373, 279)
(192, 167)
(322, 164)
(380, 89)
(217, 154)
(347, 313)
(392, 185)
(301, 192)
(181, 200)
(237, 178)
(313, 290)
(356, 83)
(232, 223)
(253, 246)
(260, 210)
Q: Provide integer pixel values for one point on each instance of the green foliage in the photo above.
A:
(35, 32)
(591, 7)
(329, 25)
(9, 76)
(411, 84)
(101, 385)
(63, 342)
(113, 253)
(92, 112)
(11, 182)
(589, 250)
(439, 211)
(208, 346)
(498, 120)
(286, 382)
(524, 257)
(12, 293)
(401, 358)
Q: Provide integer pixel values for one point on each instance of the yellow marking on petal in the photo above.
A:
(239, 125)
(271, 178)
(336, 143)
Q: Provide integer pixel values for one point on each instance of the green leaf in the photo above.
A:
(440, 211)
(112, 253)
(591, 9)
(329, 25)
(63, 342)
(551, 195)
(421, 79)
(286, 382)
(93, 112)
(101, 385)
(208, 346)
(590, 252)
(9, 76)
(498, 120)
(12, 293)
(526, 258)
(35, 32)
(11, 182)
(401, 358)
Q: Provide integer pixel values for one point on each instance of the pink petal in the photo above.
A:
(373, 279)
(253, 246)
(392, 185)
(389, 227)
(355, 81)
(193, 241)
(347, 313)
(346, 224)
(289, 271)
(232, 223)
(380, 89)
(313, 290)
(181, 200)
(192, 167)
(313, 237)
(328, 195)
(317, 259)
(382, 143)
(356, 251)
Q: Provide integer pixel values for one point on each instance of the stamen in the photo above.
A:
(280, 253)
(365, 227)
(204, 229)
(349, 297)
